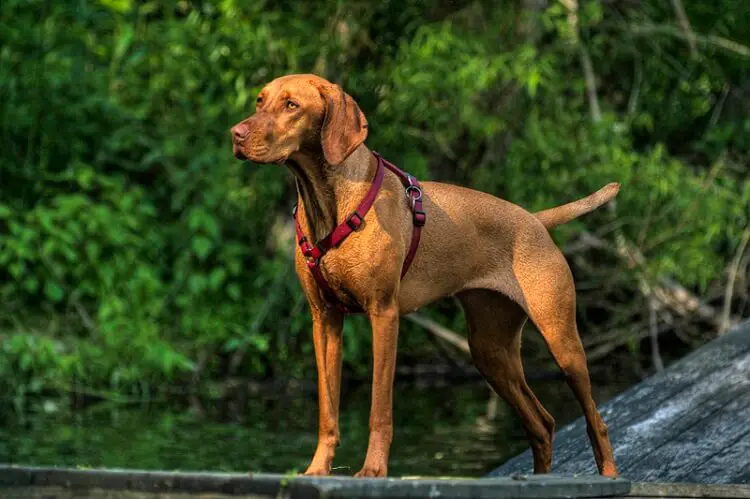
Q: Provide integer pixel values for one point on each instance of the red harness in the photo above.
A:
(314, 253)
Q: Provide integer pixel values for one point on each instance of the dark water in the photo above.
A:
(438, 431)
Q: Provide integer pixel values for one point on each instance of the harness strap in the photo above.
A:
(313, 253)
(414, 197)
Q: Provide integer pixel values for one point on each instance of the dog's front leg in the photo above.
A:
(327, 326)
(384, 322)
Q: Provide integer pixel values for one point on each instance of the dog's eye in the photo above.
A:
(259, 100)
(291, 105)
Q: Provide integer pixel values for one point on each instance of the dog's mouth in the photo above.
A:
(260, 158)
(238, 152)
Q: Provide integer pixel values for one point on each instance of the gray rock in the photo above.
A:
(690, 423)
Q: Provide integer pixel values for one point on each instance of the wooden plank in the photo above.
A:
(723, 462)
(642, 490)
(694, 407)
(33, 492)
(698, 380)
(152, 482)
(132, 484)
(60, 483)
(675, 460)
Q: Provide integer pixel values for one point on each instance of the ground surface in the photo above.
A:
(690, 423)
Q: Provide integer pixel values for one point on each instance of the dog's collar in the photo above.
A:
(314, 252)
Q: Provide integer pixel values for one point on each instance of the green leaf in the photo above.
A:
(53, 291)
(202, 246)
(211, 226)
(233, 344)
(31, 284)
(120, 6)
(93, 250)
(5, 211)
(197, 283)
(26, 360)
(234, 291)
(17, 269)
(216, 278)
(533, 81)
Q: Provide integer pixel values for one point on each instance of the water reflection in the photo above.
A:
(439, 431)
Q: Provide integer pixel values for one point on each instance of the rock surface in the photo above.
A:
(690, 423)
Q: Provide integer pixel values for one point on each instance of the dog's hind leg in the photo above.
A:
(551, 305)
(494, 323)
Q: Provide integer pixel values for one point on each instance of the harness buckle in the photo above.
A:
(308, 251)
(419, 218)
(355, 221)
(312, 262)
(413, 200)
(306, 247)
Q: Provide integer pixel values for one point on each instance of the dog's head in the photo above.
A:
(300, 113)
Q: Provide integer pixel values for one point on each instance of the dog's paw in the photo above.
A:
(317, 471)
(610, 471)
(372, 472)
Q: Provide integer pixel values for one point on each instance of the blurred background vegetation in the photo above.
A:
(140, 260)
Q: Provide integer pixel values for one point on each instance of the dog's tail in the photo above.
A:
(563, 214)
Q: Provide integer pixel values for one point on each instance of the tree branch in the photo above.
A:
(653, 328)
(441, 332)
(718, 41)
(459, 342)
(668, 293)
(586, 65)
(685, 26)
(590, 78)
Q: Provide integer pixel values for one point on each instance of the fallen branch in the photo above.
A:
(622, 339)
(725, 323)
(653, 326)
(492, 406)
(456, 357)
(669, 293)
(459, 342)
(717, 41)
(646, 289)
(441, 332)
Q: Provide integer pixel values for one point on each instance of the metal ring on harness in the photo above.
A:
(413, 188)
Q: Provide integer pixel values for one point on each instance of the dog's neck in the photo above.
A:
(327, 194)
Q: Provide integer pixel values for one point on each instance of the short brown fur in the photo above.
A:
(496, 257)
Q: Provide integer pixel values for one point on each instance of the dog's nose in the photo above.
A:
(240, 131)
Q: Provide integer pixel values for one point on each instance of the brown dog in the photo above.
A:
(495, 257)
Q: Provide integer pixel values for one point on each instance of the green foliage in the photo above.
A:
(136, 252)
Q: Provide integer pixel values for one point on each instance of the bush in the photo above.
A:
(136, 252)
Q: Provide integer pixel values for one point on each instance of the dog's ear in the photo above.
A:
(344, 125)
